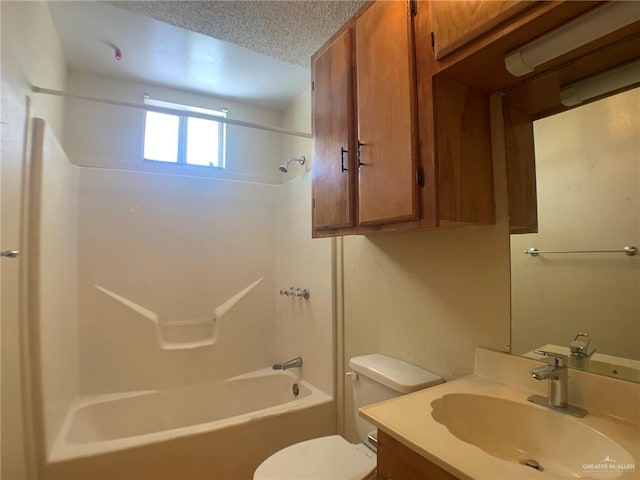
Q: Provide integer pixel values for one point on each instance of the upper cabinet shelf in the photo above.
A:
(573, 42)
(476, 55)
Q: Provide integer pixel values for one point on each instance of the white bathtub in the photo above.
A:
(218, 430)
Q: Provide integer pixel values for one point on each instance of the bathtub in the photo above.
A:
(219, 430)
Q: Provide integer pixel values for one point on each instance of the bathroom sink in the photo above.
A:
(539, 438)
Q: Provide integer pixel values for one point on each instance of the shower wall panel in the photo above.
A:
(178, 247)
(305, 327)
(53, 278)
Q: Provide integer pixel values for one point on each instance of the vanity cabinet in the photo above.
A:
(398, 462)
(394, 146)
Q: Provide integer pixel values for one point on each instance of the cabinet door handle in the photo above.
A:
(358, 154)
(342, 152)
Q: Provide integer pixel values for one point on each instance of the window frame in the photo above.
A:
(183, 113)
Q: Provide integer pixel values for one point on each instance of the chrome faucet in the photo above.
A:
(294, 362)
(556, 372)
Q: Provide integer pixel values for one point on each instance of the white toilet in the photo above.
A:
(376, 378)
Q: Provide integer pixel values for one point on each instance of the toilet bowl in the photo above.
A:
(376, 378)
(325, 458)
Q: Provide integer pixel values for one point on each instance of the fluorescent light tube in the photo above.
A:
(574, 34)
(600, 84)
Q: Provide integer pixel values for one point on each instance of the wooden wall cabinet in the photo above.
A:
(401, 111)
(457, 23)
(387, 143)
(364, 128)
(397, 462)
(472, 39)
(395, 148)
(333, 135)
(455, 140)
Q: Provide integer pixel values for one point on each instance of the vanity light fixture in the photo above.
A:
(600, 84)
(584, 29)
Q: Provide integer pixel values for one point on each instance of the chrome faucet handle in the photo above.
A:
(554, 359)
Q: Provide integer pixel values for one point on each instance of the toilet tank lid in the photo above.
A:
(393, 373)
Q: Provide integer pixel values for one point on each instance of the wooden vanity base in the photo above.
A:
(398, 462)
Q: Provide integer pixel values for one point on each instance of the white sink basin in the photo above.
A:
(561, 445)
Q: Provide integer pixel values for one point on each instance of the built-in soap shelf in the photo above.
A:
(183, 334)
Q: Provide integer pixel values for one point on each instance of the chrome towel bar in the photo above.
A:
(629, 250)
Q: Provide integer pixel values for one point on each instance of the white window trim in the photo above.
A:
(182, 130)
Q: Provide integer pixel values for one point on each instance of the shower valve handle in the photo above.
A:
(342, 167)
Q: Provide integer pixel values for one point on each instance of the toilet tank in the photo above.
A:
(381, 378)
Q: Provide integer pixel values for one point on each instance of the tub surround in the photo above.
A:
(53, 247)
(613, 405)
(148, 333)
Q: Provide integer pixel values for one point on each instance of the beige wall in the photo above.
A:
(430, 298)
(101, 135)
(31, 54)
(304, 327)
(588, 176)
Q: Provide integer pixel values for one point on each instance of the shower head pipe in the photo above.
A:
(284, 167)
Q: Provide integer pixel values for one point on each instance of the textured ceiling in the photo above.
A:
(288, 30)
(156, 53)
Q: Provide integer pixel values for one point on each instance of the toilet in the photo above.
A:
(376, 378)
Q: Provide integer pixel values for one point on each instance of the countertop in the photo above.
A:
(408, 419)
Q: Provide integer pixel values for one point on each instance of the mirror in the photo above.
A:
(587, 163)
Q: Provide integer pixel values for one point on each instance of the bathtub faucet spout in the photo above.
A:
(295, 362)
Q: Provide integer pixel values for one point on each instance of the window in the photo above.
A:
(183, 138)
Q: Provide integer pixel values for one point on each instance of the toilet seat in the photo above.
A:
(326, 458)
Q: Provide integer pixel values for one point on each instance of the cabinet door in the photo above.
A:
(455, 23)
(396, 461)
(333, 135)
(386, 115)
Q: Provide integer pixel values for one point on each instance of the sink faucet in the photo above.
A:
(294, 362)
(556, 372)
